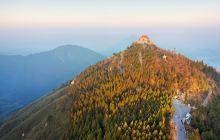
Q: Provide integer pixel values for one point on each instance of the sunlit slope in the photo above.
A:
(126, 96)
(129, 95)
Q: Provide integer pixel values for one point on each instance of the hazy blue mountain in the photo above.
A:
(25, 78)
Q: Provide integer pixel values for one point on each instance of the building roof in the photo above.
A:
(164, 56)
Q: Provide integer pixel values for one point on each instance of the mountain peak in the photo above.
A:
(67, 47)
(144, 39)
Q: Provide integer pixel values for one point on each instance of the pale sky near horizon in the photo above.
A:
(191, 26)
(114, 12)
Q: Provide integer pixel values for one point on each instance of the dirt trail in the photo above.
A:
(121, 61)
(121, 58)
(140, 59)
(206, 100)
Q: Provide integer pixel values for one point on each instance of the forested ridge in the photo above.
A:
(129, 95)
(206, 119)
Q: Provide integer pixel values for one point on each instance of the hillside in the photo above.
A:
(206, 117)
(26, 78)
(126, 96)
(129, 95)
(46, 118)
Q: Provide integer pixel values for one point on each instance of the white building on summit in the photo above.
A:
(144, 39)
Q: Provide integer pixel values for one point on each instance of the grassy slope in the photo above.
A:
(43, 119)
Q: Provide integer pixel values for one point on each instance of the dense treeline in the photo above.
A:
(129, 95)
(210, 72)
(207, 120)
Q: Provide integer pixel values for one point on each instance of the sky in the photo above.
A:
(114, 12)
(190, 26)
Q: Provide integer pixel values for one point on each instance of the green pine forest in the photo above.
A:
(206, 120)
(129, 95)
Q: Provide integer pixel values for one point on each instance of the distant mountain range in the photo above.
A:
(26, 78)
(126, 96)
